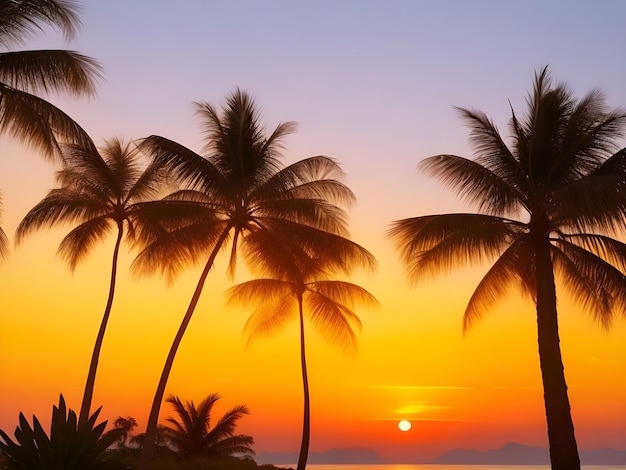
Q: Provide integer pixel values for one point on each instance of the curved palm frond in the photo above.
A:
(477, 184)
(20, 20)
(49, 71)
(509, 270)
(38, 123)
(593, 281)
(438, 243)
(77, 244)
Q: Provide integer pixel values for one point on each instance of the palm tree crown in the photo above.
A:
(99, 192)
(563, 181)
(191, 433)
(22, 73)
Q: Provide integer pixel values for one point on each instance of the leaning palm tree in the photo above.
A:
(24, 115)
(192, 434)
(328, 303)
(98, 192)
(548, 205)
(240, 196)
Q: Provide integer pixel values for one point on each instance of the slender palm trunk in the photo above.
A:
(306, 421)
(91, 376)
(563, 448)
(149, 442)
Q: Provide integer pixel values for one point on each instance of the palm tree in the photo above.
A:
(547, 206)
(24, 115)
(192, 434)
(126, 425)
(161, 441)
(98, 192)
(330, 306)
(241, 196)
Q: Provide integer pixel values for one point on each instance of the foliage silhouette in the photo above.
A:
(24, 115)
(239, 195)
(565, 174)
(98, 192)
(191, 432)
(126, 425)
(330, 307)
(71, 445)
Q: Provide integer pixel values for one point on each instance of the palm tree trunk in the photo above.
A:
(149, 442)
(91, 376)
(563, 448)
(306, 422)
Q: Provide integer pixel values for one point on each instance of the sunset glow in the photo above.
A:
(372, 86)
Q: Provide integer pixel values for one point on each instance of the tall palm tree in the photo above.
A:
(547, 206)
(98, 192)
(24, 115)
(329, 305)
(191, 433)
(241, 196)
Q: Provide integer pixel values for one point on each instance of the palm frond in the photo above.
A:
(79, 241)
(593, 282)
(490, 149)
(342, 292)
(38, 123)
(438, 243)
(477, 184)
(510, 269)
(19, 20)
(289, 247)
(315, 213)
(334, 321)
(50, 71)
(233, 445)
(189, 168)
(171, 250)
(60, 206)
(226, 425)
(594, 202)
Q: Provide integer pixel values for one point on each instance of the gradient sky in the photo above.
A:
(372, 84)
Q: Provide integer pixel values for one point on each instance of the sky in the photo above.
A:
(372, 84)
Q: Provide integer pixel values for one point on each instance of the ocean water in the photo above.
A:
(445, 467)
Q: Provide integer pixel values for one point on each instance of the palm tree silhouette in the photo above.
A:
(240, 196)
(330, 307)
(98, 193)
(191, 433)
(22, 114)
(126, 425)
(565, 175)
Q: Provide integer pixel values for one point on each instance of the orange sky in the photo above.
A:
(413, 363)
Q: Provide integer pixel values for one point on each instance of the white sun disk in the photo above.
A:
(404, 425)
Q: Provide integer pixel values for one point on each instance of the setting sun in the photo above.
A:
(404, 425)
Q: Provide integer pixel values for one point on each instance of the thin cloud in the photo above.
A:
(423, 387)
(597, 361)
(412, 408)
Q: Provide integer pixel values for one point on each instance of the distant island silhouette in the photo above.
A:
(510, 454)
